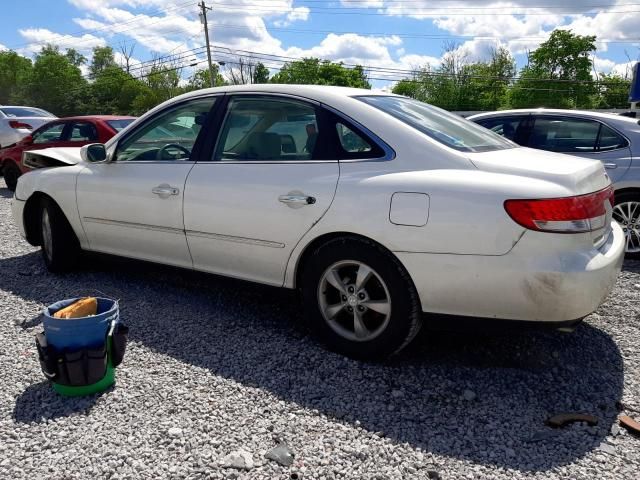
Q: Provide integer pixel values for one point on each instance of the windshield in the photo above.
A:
(13, 112)
(447, 128)
(118, 125)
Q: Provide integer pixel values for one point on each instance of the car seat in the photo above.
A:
(264, 146)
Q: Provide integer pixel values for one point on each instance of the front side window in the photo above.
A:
(444, 127)
(52, 133)
(83, 132)
(268, 129)
(566, 135)
(169, 136)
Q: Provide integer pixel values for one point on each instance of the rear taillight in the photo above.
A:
(17, 124)
(583, 213)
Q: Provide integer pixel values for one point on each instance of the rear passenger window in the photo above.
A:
(564, 135)
(83, 132)
(268, 129)
(505, 126)
(610, 140)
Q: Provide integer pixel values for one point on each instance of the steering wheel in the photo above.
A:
(160, 154)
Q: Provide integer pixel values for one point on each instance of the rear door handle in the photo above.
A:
(296, 200)
(610, 166)
(165, 190)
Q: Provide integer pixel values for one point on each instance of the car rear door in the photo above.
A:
(583, 137)
(513, 127)
(132, 205)
(268, 180)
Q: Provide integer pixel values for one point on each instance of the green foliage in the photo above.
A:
(103, 59)
(558, 74)
(200, 79)
(261, 74)
(313, 71)
(614, 91)
(54, 84)
(14, 69)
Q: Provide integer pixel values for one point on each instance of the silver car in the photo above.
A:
(612, 139)
(18, 122)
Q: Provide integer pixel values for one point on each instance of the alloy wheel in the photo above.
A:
(627, 214)
(354, 300)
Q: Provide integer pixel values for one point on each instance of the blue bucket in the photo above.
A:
(78, 333)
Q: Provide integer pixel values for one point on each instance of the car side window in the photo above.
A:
(505, 126)
(610, 140)
(564, 135)
(83, 132)
(49, 134)
(262, 128)
(168, 136)
(350, 141)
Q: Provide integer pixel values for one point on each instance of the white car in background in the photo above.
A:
(375, 206)
(18, 122)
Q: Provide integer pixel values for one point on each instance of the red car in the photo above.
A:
(63, 132)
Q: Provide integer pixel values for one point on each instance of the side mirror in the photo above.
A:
(94, 152)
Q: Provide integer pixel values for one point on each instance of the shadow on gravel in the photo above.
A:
(6, 193)
(39, 403)
(252, 334)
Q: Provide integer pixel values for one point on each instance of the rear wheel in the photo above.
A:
(60, 246)
(11, 173)
(627, 213)
(359, 299)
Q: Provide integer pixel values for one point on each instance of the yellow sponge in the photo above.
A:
(84, 307)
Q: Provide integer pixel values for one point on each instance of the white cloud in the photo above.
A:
(3, 48)
(297, 14)
(36, 38)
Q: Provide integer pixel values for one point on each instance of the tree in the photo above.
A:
(55, 84)
(200, 79)
(558, 73)
(261, 74)
(160, 83)
(103, 58)
(14, 70)
(312, 71)
(75, 57)
(613, 91)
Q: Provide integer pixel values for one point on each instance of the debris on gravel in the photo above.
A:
(281, 454)
(563, 419)
(630, 424)
(469, 395)
(215, 367)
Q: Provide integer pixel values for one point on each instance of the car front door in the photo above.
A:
(268, 180)
(132, 205)
(585, 138)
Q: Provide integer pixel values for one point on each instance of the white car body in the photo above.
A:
(438, 210)
(14, 122)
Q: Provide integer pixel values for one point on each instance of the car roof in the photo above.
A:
(314, 92)
(97, 117)
(557, 111)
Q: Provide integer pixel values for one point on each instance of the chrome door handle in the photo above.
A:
(610, 166)
(294, 200)
(165, 190)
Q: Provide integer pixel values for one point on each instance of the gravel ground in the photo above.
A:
(217, 370)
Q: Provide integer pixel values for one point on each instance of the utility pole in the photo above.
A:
(203, 20)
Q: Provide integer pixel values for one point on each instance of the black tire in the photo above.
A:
(404, 320)
(630, 197)
(60, 247)
(11, 173)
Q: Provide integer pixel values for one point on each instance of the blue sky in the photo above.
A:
(393, 35)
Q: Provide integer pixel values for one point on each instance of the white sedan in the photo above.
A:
(375, 206)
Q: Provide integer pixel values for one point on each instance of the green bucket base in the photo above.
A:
(108, 380)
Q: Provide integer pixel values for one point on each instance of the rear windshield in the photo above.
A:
(444, 127)
(13, 112)
(118, 125)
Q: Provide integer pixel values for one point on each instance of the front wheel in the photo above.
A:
(11, 174)
(627, 213)
(60, 246)
(360, 300)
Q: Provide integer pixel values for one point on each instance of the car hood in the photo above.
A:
(51, 157)
(577, 175)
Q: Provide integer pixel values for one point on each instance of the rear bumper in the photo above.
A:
(533, 282)
(17, 209)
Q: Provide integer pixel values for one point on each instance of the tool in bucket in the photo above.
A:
(79, 354)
